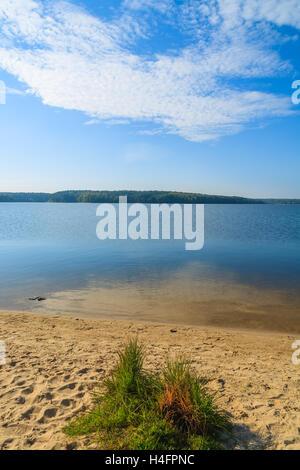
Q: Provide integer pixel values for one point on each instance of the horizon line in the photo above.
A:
(151, 190)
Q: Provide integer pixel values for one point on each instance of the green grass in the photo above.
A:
(137, 410)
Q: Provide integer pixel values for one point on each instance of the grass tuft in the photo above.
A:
(141, 411)
(185, 402)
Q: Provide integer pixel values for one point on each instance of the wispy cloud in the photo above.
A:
(162, 5)
(14, 91)
(91, 122)
(76, 61)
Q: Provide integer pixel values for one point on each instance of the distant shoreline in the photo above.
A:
(146, 197)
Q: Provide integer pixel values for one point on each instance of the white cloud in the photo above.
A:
(15, 91)
(280, 12)
(75, 61)
(234, 12)
(161, 5)
(91, 122)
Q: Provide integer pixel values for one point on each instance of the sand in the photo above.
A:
(53, 363)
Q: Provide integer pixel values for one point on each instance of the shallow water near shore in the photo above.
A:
(246, 276)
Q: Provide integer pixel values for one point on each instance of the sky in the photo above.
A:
(185, 95)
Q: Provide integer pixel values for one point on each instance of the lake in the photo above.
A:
(246, 276)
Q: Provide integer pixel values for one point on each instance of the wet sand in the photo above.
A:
(54, 362)
(181, 300)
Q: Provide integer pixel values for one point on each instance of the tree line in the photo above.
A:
(150, 197)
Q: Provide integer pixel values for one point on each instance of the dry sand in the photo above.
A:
(53, 363)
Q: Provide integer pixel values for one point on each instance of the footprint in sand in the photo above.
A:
(71, 386)
(5, 444)
(48, 414)
(44, 396)
(28, 390)
(20, 400)
(27, 414)
(67, 402)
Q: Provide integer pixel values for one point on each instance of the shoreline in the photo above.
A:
(216, 304)
(55, 361)
(168, 323)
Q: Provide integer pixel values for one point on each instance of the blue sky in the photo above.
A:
(184, 95)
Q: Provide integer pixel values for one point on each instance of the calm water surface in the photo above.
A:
(247, 275)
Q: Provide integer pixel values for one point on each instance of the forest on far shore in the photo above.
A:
(146, 197)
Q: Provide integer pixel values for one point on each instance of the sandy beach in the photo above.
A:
(53, 363)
